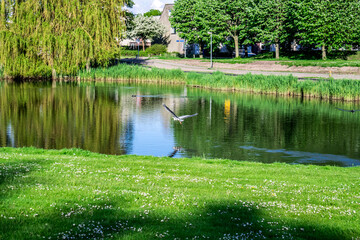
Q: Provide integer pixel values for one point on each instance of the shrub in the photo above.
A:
(156, 49)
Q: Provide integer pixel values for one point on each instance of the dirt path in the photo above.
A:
(258, 67)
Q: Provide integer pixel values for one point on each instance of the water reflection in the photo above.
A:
(130, 119)
(304, 157)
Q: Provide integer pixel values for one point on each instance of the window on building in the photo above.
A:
(169, 13)
(173, 31)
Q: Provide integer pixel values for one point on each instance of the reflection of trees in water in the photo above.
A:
(61, 117)
(269, 123)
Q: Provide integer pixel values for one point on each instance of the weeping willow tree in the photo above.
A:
(41, 38)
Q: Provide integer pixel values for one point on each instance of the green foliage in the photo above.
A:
(75, 194)
(156, 49)
(273, 20)
(327, 24)
(333, 24)
(187, 18)
(152, 12)
(42, 38)
(231, 19)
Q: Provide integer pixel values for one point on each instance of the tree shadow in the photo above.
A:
(133, 61)
(223, 220)
(12, 170)
(164, 40)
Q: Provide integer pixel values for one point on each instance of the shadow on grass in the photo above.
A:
(10, 171)
(132, 61)
(216, 221)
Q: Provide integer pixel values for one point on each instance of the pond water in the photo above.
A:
(130, 119)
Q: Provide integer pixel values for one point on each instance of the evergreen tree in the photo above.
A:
(50, 37)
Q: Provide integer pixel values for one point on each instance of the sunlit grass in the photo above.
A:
(322, 63)
(74, 194)
(289, 59)
(280, 85)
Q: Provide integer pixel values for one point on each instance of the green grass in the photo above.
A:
(75, 194)
(280, 85)
(322, 63)
(293, 59)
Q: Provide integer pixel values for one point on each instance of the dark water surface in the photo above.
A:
(130, 119)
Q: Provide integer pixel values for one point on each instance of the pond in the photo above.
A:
(130, 119)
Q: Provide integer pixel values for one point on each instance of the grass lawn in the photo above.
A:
(294, 60)
(321, 63)
(75, 194)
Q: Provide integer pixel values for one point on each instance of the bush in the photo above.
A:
(156, 49)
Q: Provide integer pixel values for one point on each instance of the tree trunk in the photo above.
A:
(201, 51)
(53, 74)
(236, 40)
(88, 68)
(323, 51)
(277, 50)
(143, 45)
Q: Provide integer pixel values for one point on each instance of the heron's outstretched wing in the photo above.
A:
(344, 110)
(169, 110)
(187, 116)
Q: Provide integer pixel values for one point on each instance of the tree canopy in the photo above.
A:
(231, 18)
(328, 24)
(146, 28)
(188, 21)
(325, 23)
(273, 22)
(44, 38)
(152, 12)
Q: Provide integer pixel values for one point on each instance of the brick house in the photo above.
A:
(174, 42)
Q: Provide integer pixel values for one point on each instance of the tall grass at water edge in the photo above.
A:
(281, 85)
(133, 73)
(76, 194)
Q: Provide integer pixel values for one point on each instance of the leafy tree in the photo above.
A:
(146, 28)
(328, 24)
(231, 18)
(194, 20)
(273, 21)
(188, 21)
(129, 3)
(42, 38)
(152, 12)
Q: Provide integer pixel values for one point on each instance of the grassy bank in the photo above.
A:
(281, 85)
(74, 194)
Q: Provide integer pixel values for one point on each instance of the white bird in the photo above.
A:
(180, 118)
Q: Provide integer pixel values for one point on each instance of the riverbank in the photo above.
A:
(289, 85)
(75, 194)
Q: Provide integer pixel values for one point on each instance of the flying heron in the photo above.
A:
(180, 118)
(344, 110)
